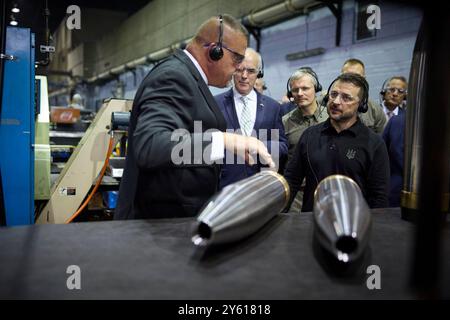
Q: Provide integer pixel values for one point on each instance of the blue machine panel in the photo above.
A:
(17, 128)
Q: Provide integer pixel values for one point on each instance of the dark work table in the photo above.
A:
(155, 259)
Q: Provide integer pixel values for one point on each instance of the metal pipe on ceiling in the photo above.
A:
(152, 57)
(260, 18)
(277, 13)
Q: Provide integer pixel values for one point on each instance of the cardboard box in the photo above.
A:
(64, 115)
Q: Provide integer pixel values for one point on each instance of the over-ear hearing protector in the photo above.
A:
(261, 72)
(383, 87)
(364, 85)
(383, 90)
(216, 50)
(308, 70)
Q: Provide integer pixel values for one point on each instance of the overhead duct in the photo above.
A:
(261, 18)
(278, 12)
(152, 57)
(116, 71)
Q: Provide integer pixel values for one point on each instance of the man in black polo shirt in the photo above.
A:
(342, 145)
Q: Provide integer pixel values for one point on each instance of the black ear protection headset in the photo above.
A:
(383, 87)
(216, 51)
(261, 71)
(363, 84)
(383, 90)
(310, 71)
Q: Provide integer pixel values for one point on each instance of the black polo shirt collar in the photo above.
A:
(354, 130)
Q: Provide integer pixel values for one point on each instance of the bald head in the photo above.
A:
(233, 36)
(209, 31)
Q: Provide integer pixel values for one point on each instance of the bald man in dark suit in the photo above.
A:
(172, 112)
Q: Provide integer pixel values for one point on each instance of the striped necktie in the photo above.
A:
(246, 120)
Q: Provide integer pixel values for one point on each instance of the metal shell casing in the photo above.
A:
(342, 218)
(241, 208)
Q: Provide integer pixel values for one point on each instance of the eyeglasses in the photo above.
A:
(250, 71)
(392, 90)
(237, 57)
(346, 98)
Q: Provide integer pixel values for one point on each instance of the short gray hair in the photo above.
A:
(257, 54)
(301, 73)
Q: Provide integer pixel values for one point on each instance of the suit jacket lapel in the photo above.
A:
(230, 109)
(260, 109)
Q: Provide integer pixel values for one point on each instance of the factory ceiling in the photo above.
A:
(32, 13)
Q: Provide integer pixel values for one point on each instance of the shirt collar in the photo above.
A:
(251, 96)
(197, 65)
(298, 113)
(386, 110)
(355, 129)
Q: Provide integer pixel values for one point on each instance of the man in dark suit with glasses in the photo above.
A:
(176, 133)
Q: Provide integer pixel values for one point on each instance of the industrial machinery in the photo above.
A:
(17, 127)
(42, 180)
(26, 157)
(84, 165)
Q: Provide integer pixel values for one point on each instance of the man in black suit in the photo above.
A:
(176, 128)
(250, 113)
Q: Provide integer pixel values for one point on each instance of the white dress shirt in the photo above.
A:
(387, 111)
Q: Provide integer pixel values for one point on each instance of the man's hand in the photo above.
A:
(248, 148)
